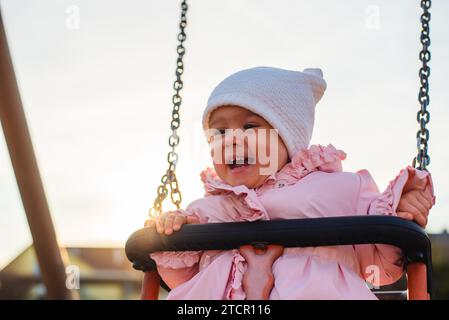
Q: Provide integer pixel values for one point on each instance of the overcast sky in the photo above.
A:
(96, 82)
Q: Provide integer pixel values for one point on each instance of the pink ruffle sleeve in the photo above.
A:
(176, 268)
(382, 264)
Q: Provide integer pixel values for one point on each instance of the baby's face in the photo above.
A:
(245, 148)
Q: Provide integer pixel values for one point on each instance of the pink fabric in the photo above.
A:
(312, 185)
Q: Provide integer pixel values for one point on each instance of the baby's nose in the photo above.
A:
(234, 138)
(235, 145)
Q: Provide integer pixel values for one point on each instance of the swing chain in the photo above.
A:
(169, 178)
(423, 116)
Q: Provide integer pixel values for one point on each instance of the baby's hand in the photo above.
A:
(415, 205)
(171, 221)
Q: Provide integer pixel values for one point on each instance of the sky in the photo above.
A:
(96, 83)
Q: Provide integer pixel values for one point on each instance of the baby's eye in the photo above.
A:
(250, 126)
(220, 131)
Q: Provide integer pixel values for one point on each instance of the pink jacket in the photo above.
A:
(312, 185)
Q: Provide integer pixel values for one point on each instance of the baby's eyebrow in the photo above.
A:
(222, 121)
(219, 120)
(255, 117)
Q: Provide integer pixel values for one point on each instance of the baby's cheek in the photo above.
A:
(217, 152)
(283, 157)
(220, 169)
(271, 149)
(261, 150)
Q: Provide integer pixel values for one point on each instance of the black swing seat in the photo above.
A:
(315, 232)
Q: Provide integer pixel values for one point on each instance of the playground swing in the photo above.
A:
(253, 238)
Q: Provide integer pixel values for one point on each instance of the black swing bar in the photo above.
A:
(315, 232)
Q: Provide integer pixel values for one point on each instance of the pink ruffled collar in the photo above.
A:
(315, 158)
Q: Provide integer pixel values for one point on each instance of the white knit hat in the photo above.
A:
(286, 99)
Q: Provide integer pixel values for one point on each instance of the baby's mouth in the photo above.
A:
(240, 162)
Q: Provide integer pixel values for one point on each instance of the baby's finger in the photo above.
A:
(418, 205)
(169, 224)
(192, 220)
(178, 222)
(410, 208)
(160, 221)
(428, 194)
(149, 223)
(405, 215)
(426, 202)
(420, 219)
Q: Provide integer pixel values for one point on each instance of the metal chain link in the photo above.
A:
(423, 116)
(169, 178)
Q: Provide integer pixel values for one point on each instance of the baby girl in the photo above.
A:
(280, 176)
